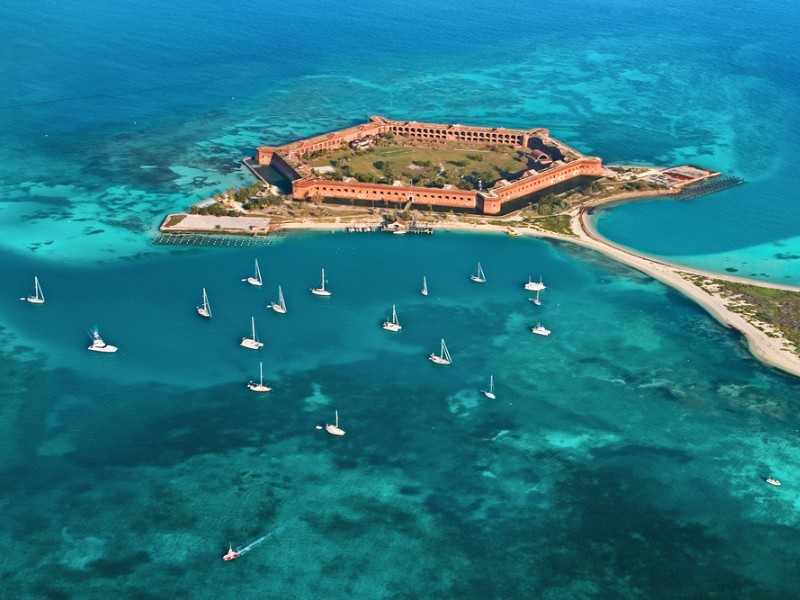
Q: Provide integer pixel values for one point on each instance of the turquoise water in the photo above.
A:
(625, 454)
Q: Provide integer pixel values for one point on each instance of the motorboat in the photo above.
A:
(540, 330)
(98, 345)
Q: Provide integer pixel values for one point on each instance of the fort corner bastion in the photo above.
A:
(548, 162)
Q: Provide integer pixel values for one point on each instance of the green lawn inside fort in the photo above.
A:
(427, 165)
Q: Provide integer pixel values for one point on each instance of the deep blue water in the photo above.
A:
(625, 454)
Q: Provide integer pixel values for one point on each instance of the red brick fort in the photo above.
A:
(551, 162)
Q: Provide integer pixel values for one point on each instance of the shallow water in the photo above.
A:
(625, 454)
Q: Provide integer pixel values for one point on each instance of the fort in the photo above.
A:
(543, 161)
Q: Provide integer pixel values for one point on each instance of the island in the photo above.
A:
(417, 177)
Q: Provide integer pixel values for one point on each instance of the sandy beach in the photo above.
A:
(770, 350)
(764, 343)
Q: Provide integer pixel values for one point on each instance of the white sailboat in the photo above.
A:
(536, 300)
(478, 277)
(321, 291)
(256, 278)
(259, 387)
(394, 324)
(98, 345)
(489, 392)
(205, 310)
(280, 305)
(252, 343)
(535, 286)
(443, 358)
(334, 429)
(38, 295)
(424, 286)
(540, 330)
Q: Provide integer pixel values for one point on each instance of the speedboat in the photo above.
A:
(773, 481)
(98, 345)
(540, 330)
(231, 554)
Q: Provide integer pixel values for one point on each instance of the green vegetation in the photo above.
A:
(244, 193)
(778, 308)
(427, 166)
(217, 209)
(174, 220)
(556, 224)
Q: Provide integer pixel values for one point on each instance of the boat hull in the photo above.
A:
(534, 287)
(252, 281)
(35, 300)
(107, 348)
(257, 387)
(477, 279)
(438, 360)
(489, 395)
(203, 312)
(540, 331)
(334, 430)
(391, 326)
(251, 344)
(277, 308)
(320, 292)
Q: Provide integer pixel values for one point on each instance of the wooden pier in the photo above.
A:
(709, 186)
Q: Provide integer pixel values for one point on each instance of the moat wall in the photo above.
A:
(306, 185)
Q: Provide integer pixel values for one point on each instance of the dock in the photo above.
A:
(709, 186)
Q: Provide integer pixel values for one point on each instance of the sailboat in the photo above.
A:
(252, 342)
(424, 286)
(38, 296)
(334, 429)
(535, 286)
(536, 300)
(256, 278)
(259, 387)
(489, 393)
(443, 358)
(394, 324)
(478, 277)
(231, 554)
(540, 330)
(205, 310)
(321, 291)
(280, 305)
(98, 345)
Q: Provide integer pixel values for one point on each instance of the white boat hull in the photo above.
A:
(541, 331)
(257, 387)
(334, 430)
(535, 286)
(104, 348)
(320, 292)
(203, 312)
(252, 281)
(536, 301)
(477, 279)
(489, 395)
(251, 343)
(277, 308)
(438, 360)
(391, 326)
(35, 300)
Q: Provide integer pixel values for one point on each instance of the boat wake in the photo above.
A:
(263, 538)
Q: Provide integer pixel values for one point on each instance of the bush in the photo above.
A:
(476, 157)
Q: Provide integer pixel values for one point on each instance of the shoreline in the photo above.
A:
(765, 346)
